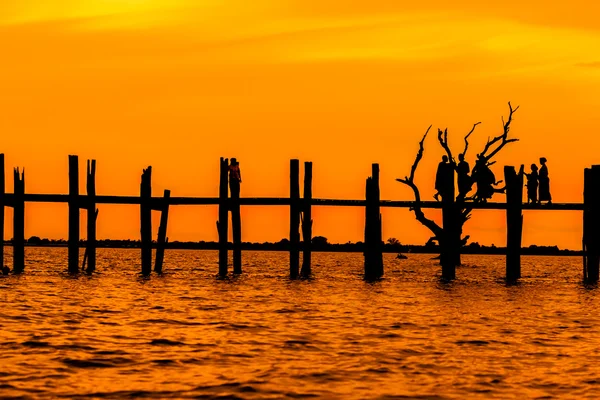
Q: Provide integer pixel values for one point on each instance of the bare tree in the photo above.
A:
(464, 153)
(503, 138)
(443, 139)
(410, 182)
(492, 147)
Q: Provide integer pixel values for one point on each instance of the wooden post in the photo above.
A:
(87, 249)
(514, 222)
(307, 221)
(294, 218)
(3, 270)
(373, 251)
(146, 220)
(368, 250)
(162, 233)
(92, 215)
(236, 222)
(591, 223)
(587, 214)
(378, 227)
(73, 241)
(450, 242)
(19, 222)
(223, 222)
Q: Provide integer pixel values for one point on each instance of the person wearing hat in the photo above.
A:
(544, 182)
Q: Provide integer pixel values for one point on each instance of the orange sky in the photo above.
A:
(177, 84)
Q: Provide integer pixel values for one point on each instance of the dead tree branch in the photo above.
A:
(410, 182)
(465, 215)
(464, 153)
(502, 139)
(443, 139)
(413, 169)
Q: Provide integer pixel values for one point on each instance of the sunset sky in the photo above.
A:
(177, 84)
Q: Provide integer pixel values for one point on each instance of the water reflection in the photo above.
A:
(186, 334)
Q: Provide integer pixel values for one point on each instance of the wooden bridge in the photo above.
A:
(278, 201)
(229, 201)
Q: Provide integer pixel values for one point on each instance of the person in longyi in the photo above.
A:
(544, 183)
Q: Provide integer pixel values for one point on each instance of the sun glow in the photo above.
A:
(120, 6)
(245, 79)
(25, 11)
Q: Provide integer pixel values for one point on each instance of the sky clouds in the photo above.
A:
(211, 32)
(265, 73)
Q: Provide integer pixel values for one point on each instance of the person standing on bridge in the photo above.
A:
(544, 182)
(485, 179)
(234, 171)
(443, 184)
(235, 177)
(532, 185)
(465, 182)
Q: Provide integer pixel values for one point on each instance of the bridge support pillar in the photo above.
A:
(146, 220)
(514, 222)
(373, 243)
(295, 209)
(591, 224)
(73, 242)
(3, 270)
(161, 241)
(223, 222)
(450, 243)
(19, 222)
(307, 221)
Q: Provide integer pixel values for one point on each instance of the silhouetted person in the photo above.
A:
(465, 182)
(235, 177)
(532, 185)
(485, 179)
(443, 183)
(544, 182)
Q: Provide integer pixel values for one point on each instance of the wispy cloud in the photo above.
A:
(210, 33)
(591, 64)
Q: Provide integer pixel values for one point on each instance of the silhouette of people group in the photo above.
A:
(538, 183)
(485, 179)
(482, 175)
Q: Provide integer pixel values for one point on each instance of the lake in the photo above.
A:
(187, 334)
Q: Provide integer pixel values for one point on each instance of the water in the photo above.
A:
(260, 335)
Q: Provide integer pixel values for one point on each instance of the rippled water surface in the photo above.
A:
(188, 335)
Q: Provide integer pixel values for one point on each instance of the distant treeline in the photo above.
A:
(319, 243)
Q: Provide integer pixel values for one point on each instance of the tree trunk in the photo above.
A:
(450, 241)
(449, 257)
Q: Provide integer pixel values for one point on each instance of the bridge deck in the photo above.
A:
(283, 201)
